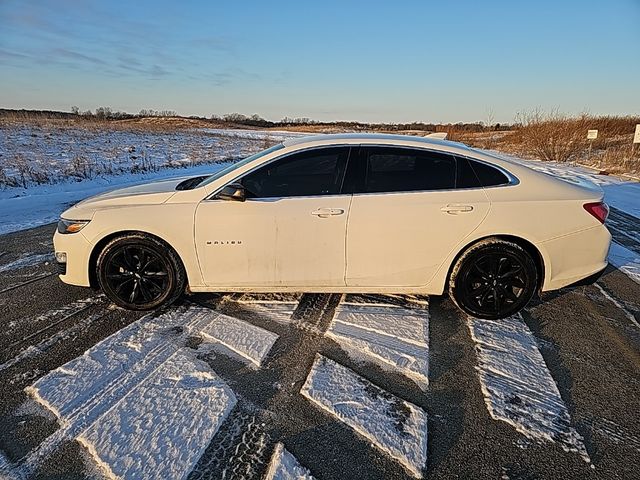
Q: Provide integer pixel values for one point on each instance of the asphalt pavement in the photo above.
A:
(345, 391)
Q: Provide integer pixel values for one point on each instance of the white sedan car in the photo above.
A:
(342, 213)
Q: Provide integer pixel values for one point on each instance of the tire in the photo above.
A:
(493, 279)
(139, 272)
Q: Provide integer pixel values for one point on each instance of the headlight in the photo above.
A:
(71, 226)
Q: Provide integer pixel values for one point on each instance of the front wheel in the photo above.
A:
(139, 272)
(493, 279)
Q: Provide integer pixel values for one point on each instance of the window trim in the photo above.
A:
(348, 147)
(354, 157)
(512, 179)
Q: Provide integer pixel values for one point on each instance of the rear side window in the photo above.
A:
(387, 169)
(472, 174)
(309, 173)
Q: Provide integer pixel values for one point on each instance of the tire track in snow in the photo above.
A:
(614, 432)
(222, 448)
(97, 388)
(49, 318)
(517, 385)
(29, 260)
(42, 347)
(309, 312)
(284, 466)
(393, 335)
(249, 457)
(618, 305)
(395, 426)
(272, 306)
(251, 343)
(28, 282)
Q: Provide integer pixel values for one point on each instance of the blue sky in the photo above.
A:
(393, 61)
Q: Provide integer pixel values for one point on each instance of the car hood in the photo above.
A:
(147, 194)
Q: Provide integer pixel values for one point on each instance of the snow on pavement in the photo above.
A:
(624, 196)
(25, 261)
(250, 342)
(140, 401)
(517, 385)
(285, 466)
(392, 336)
(625, 260)
(278, 310)
(396, 426)
(161, 427)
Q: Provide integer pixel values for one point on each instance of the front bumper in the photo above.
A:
(78, 249)
(62, 268)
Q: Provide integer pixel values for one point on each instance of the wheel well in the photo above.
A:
(528, 247)
(95, 253)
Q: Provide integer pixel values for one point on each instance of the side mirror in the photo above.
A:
(233, 192)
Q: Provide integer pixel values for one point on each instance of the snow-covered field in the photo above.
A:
(32, 154)
(77, 163)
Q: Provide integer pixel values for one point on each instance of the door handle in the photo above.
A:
(327, 212)
(454, 209)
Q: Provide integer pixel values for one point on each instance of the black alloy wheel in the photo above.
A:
(493, 279)
(140, 273)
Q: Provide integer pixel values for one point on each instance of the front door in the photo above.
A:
(290, 232)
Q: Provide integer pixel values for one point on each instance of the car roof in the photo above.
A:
(382, 138)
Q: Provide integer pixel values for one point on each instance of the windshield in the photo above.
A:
(239, 164)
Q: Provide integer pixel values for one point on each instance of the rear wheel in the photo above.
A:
(493, 279)
(139, 272)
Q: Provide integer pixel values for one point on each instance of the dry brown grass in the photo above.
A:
(561, 138)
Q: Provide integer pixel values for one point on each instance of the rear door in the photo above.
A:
(290, 232)
(406, 215)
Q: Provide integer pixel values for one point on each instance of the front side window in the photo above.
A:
(389, 169)
(235, 166)
(309, 173)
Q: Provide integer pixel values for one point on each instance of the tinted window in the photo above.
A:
(475, 174)
(405, 170)
(467, 178)
(488, 175)
(239, 164)
(314, 172)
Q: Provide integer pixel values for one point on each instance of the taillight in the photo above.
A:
(600, 210)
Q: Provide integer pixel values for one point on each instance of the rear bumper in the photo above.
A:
(590, 280)
(575, 258)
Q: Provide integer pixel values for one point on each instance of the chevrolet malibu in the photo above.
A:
(342, 213)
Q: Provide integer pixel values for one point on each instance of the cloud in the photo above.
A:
(7, 55)
(77, 56)
(134, 66)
